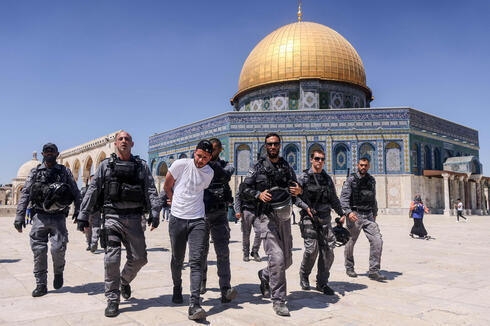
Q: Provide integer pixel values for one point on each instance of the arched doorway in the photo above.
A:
(243, 159)
(102, 156)
(76, 169)
(393, 157)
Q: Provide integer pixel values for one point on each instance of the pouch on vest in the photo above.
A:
(131, 192)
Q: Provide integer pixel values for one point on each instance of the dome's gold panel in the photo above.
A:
(302, 50)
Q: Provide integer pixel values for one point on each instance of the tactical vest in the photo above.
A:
(269, 176)
(246, 202)
(363, 190)
(125, 181)
(317, 191)
(218, 194)
(42, 179)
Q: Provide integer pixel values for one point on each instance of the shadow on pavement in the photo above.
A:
(89, 288)
(390, 275)
(249, 293)
(312, 299)
(9, 261)
(343, 287)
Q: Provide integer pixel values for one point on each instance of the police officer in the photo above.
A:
(216, 199)
(317, 200)
(92, 235)
(273, 172)
(50, 188)
(123, 188)
(245, 211)
(358, 200)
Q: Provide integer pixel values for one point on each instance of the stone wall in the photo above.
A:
(8, 211)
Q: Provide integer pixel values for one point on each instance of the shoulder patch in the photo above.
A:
(250, 173)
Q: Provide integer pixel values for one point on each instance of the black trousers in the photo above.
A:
(194, 232)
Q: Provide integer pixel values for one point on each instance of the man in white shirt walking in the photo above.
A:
(184, 185)
(459, 208)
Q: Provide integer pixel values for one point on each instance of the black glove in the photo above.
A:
(19, 224)
(74, 217)
(153, 221)
(81, 225)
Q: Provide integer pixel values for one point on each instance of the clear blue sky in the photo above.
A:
(71, 71)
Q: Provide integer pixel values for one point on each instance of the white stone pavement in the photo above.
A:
(437, 282)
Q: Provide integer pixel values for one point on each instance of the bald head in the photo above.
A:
(124, 143)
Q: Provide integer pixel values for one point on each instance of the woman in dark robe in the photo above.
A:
(417, 208)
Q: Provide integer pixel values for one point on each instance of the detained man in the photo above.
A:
(184, 185)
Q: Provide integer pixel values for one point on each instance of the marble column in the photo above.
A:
(479, 196)
(484, 195)
(447, 200)
(487, 201)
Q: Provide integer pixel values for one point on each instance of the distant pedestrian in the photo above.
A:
(459, 208)
(417, 208)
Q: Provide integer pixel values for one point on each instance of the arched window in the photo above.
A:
(162, 169)
(367, 150)
(393, 157)
(414, 153)
(340, 158)
(427, 158)
(437, 159)
(76, 169)
(183, 155)
(291, 156)
(171, 159)
(243, 159)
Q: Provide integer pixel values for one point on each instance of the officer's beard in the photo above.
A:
(50, 159)
(273, 155)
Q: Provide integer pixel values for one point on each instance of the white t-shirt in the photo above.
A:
(190, 182)
(460, 206)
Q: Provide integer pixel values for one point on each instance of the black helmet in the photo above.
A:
(342, 235)
(57, 197)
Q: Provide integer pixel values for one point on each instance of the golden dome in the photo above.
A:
(302, 50)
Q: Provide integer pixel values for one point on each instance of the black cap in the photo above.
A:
(206, 146)
(50, 146)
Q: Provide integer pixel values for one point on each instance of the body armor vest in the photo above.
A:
(270, 175)
(125, 181)
(317, 191)
(218, 194)
(363, 189)
(41, 190)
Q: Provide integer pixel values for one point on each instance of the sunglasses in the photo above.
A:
(319, 159)
(273, 144)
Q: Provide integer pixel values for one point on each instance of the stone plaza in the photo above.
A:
(437, 282)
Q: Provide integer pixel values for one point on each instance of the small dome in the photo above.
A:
(24, 170)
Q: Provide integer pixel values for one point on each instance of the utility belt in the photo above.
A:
(124, 211)
(362, 210)
(35, 211)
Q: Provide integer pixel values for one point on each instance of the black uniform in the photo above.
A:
(359, 196)
(216, 199)
(123, 191)
(275, 233)
(320, 196)
(47, 223)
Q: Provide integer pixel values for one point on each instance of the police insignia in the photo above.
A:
(251, 172)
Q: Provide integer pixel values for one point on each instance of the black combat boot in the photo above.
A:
(304, 282)
(177, 295)
(112, 309)
(377, 276)
(88, 248)
(203, 289)
(39, 291)
(256, 256)
(58, 281)
(264, 286)
(228, 294)
(246, 256)
(351, 272)
(93, 247)
(196, 312)
(325, 289)
(125, 290)
(281, 309)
